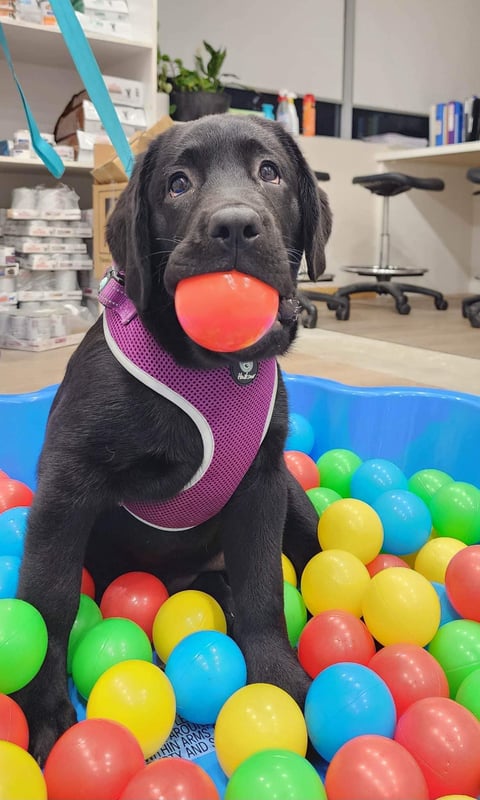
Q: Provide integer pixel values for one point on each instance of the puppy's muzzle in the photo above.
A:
(235, 228)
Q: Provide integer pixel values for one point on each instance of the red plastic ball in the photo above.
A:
(136, 596)
(331, 637)
(14, 493)
(95, 758)
(171, 779)
(462, 582)
(444, 738)
(411, 673)
(88, 585)
(3, 474)
(13, 723)
(225, 311)
(303, 468)
(373, 767)
(384, 561)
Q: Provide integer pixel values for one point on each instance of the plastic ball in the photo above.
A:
(468, 693)
(455, 512)
(301, 435)
(205, 669)
(462, 582)
(353, 526)
(347, 700)
(88, 615)
(447, 611)
(456, 647)
(23, 644)
(136, 596)
(14, 493)
(138, 695)
(334, 579)
(400, 605)
(171, 779)
(88, 585)
(374, 477)
(13, 722)
(434, 557)
(295, 612)
(384, 561)
(332, 637)
(94, 758)
(275, 775)
(288, 571)
(374, 768)
(321, 498)
(410, 673)
(426, 482)
(184, 613)
(257, 717)
(9, 574)
(406, 521)
(336, 468)
(13, 526)
(303, 468)
(444, 738)
(225, 311)
(20, 776)
(106, 644)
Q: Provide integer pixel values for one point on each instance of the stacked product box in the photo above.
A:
(110, 17)
(50, 240)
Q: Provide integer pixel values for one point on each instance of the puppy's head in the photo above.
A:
(214, 195)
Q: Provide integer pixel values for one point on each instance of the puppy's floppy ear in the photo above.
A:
(316, 220)
(128, 232)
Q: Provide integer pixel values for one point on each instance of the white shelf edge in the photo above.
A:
(428, 152)
(16, 163)
(91, 36)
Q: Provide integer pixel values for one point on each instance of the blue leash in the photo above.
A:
(88, 69)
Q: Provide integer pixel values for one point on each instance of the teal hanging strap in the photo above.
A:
(43, 149)
(93, 82)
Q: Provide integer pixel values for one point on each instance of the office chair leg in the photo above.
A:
(379, 287)
(473, 314)
(308, 311)
(438, 298)
(468, 302)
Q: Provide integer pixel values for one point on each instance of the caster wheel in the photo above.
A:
(310, 322)
(332, 306)
(404, 309)
(464, 311)
(342, 313)
(442, 304)
(475, 322)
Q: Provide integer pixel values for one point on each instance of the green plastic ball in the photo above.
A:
(426, 482)
(23, 644)
(336, 468)
(456, 646)
(88, 615)
(295, 612)
(111, 641)
(321, 498)
(455, 511)
(275, 775)
(468, 694)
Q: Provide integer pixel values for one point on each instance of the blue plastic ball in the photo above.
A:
(13, 526)
(205, 669)
(406, 520)
(375, 476)
(347, 700)
(9, 572)
(301, 435)
(447, 611)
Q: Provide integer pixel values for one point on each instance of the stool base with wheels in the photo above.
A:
(471, 308)
(308, 309)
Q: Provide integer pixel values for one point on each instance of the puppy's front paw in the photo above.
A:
(48, 717)
(279, 666)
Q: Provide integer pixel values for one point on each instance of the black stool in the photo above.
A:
(388, 185)
(471, 305)
(308, 311)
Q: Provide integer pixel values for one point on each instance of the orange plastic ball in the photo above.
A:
(14, 493)
(303, 468)
(225, 311)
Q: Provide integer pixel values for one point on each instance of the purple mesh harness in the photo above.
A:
(231, 408)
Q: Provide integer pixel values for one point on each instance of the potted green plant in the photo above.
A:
(199, 91)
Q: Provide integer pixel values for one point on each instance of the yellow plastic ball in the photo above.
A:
(184, 613)
(400, 605)
(334, 579)
(288, 570)
(352, 525)
(257, 717)
(138, 695)
(434, 557)
(20, 776)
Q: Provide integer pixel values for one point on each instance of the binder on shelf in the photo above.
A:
(454, 122)
(438, 124)
(471, 119)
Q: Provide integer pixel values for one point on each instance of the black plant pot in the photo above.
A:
(192, 105)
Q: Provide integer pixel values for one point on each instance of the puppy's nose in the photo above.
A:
(236, 227)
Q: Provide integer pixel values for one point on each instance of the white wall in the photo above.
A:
(410, 54)
(271, 45)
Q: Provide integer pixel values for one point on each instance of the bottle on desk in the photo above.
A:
(308, 115)
(287, 113)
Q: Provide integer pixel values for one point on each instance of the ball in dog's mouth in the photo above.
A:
(226, 311)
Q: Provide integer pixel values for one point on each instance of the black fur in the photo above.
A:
(110, 438)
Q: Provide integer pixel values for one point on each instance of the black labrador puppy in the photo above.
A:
(217, 194)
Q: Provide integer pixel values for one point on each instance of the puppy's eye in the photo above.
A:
(178, 184)
(269, 172)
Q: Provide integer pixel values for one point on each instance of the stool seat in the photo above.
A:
(389, 184)
(385, 273)
(322, 176)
